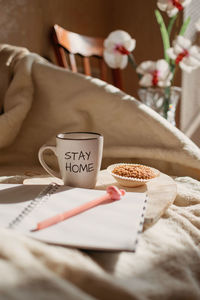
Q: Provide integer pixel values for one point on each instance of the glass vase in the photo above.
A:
(163, 100)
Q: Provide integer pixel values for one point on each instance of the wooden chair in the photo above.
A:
(68, 45)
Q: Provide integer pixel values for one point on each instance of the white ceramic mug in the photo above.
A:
(79, 157)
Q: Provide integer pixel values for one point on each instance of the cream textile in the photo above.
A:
(40, 100)
(165, 265)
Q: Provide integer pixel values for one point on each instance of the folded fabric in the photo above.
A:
(40, 100)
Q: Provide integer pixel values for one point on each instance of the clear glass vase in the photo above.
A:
(163, 100)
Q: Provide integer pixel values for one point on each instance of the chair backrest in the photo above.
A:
(68, 44)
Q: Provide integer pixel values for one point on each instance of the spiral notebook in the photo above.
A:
(112, 226)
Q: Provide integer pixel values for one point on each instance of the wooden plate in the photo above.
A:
(161, 190)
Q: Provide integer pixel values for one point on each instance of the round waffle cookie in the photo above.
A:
(132, 175)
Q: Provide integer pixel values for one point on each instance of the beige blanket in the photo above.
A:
(37, 101)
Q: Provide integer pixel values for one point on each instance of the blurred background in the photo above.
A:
(28, 23)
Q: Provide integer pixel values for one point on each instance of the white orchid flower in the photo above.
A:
(172, 7)
(197, 25)
(117, 47)
(154, 73)
(185, 54)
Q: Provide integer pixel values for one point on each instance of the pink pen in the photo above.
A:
(113, 194)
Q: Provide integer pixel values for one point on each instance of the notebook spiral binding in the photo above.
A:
(142, 218)
(43, 195)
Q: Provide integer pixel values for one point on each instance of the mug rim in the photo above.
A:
(77, 132)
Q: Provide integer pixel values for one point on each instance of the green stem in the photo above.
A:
(184, 26)
(166, 101)
(164, 34)
(131, 59)
(173, 69)
(171, 24)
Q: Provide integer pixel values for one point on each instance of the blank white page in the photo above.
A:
(111, 226)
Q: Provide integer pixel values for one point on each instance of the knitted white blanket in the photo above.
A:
(39, 100)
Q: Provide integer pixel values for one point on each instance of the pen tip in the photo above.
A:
(33, 230)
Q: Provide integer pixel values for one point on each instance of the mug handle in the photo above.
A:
(41, 159)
